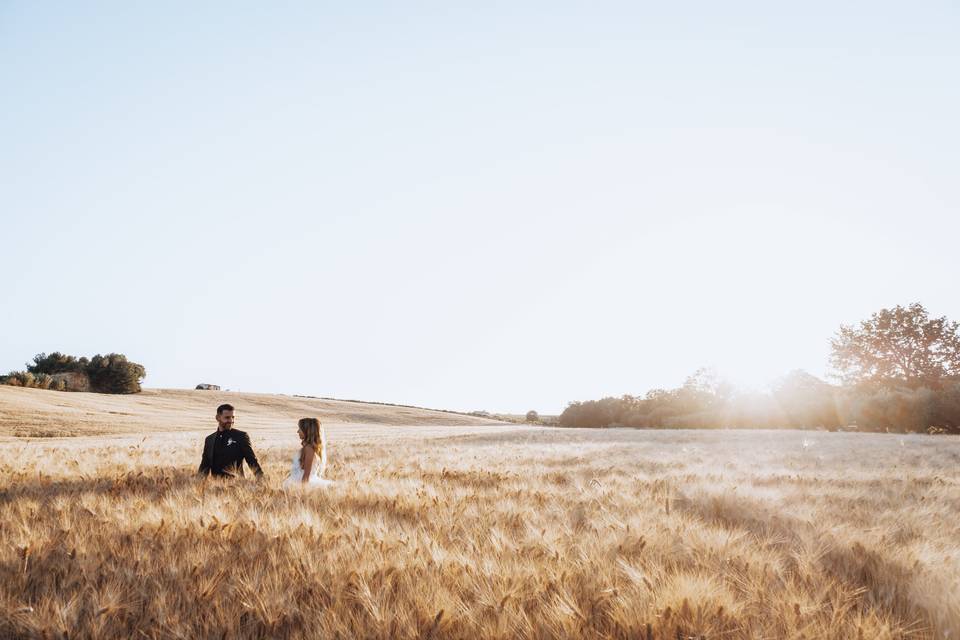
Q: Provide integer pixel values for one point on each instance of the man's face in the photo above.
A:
(225, 420)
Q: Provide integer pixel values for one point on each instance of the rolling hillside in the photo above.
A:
(40, 413)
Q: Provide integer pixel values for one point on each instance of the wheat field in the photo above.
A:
(483, 531)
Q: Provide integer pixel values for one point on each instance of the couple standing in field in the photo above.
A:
(226, 449)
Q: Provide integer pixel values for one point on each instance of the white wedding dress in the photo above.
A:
(316, 478)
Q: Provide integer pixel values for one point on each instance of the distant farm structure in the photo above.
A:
(208, 387)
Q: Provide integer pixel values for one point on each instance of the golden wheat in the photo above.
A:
(529, 533)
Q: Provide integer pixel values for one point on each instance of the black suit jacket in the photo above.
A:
(224, 456)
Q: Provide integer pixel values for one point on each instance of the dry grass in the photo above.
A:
(36, 413)
(491, 532)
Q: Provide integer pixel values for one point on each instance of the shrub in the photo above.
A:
(896, 410)
(57, 362)
(594, 413)
(946, 408)
(533, 416)
(26, 378)
(113, 373)
(71, 381)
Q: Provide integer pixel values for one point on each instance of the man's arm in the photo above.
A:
(204, 469)
(250, 456)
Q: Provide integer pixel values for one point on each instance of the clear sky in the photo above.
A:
(502, 206)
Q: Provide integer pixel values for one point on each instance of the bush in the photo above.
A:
(893, 410)
(533, 416)
(113, 373)
(946, 408)
(42, 381)
(27, 379)
(57, 362)
(71, 381)
(594, 413)
(21, 379)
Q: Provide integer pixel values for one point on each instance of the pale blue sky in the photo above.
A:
(502, 206)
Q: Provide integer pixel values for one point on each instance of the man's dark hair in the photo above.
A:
(224, 407)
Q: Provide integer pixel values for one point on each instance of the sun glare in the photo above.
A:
(749, 376)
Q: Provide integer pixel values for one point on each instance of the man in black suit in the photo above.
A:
(225, 449)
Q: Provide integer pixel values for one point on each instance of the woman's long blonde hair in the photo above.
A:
(314, 436)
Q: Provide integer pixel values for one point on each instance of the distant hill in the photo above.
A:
(41, 413)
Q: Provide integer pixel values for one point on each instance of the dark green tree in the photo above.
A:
(56, 362)
(113, 373)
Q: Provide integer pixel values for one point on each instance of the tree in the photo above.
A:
(897, 410)
(113, 373)
(707, 382)
(807, 401)
(56, 362)
(899, 347)
(533, 416)
(592, 413)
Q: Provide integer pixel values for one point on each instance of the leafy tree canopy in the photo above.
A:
(899, 347)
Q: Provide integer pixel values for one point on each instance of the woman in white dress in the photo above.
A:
(310, 462)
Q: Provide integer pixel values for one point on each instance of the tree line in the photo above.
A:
(897, 371)
(110, 373)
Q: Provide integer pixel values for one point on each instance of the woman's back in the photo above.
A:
(310, 462)
(317, 467)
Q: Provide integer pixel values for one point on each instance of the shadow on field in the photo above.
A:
(737, 512)
(887, 583)
(153, 483)
(880, 578)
